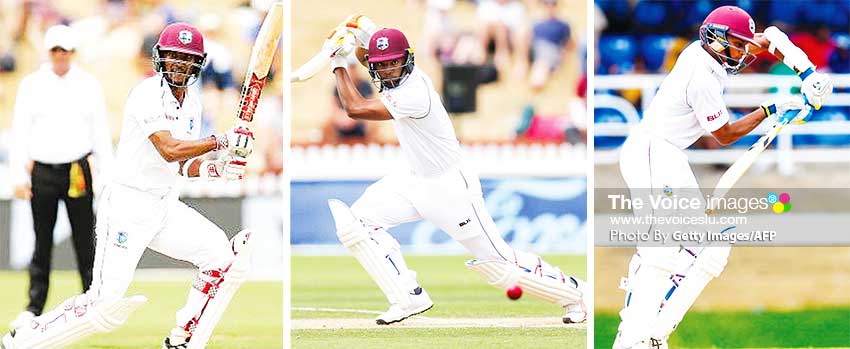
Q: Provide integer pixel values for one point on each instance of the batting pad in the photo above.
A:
(708, 265)
(75, 319)
(503, 274)
(372, 255)
(218, 297)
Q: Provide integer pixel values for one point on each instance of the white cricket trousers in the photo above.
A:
(651, 164)
(453, 201)
(130, 220)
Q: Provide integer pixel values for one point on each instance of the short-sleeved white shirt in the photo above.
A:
(689, 101)
(151, 107)
(422, 125)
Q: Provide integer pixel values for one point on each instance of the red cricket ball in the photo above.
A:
(514, 292)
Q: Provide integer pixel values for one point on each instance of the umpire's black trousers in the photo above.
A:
(50, 183)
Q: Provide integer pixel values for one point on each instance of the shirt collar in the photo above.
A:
(47, 67)
(166, 91)
(710, 61)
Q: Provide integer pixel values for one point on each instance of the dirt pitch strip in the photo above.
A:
(423, 322)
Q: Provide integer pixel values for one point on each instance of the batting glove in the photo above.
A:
(816, 87)
(240, 141)
(333, 41)
(209, 169)
(234, 167)
(785, 109)
(339, 57)
(361, 26)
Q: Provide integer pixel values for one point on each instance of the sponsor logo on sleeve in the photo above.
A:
(714, 116)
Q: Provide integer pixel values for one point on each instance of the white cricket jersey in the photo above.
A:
(690, 99)
(422, 125)
(151, 107)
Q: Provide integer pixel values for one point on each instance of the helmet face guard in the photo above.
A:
(713, 34)
(192, 74)
(384, 83)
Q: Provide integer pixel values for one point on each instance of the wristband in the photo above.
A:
(804, 74)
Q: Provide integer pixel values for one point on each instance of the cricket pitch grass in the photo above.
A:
(253, 319)
(335, 302)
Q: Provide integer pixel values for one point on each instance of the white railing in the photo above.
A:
(362, 161)
(742, 91)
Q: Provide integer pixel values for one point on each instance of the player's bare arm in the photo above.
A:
(354, 104)
(782, 109)
(733, 131)
(172, 149)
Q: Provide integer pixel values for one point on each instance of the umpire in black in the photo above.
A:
(59, 122)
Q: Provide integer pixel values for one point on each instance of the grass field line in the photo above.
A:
(335, 310)
(422, 321)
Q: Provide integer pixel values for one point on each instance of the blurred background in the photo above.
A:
(115, 41)
(767, 297)
(512, 76)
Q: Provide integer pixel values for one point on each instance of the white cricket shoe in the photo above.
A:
(8, 341)
(177, 339)
(575, 313)
(23, 319)
(420, 303)
(651, 343)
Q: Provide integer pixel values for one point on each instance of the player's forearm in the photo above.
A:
(190, 149)
(172, 149)
(740, 128)
(355, 106)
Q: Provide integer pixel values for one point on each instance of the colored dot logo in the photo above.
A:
(780, 203)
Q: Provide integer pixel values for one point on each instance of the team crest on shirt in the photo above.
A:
(382, 43)
(185, 36)
(121, 240)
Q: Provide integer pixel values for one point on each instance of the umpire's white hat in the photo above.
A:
(60, 36)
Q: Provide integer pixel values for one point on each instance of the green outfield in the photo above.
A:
(253, 320)
(817, 328)
(334, 302)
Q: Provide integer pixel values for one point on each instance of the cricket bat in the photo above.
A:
(312, 66)
(361, 27)
(737, 170)
(262, 55)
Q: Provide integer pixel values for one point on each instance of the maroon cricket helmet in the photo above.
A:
(386, 45)
(183, 38)
(738, 22)
(718, 26)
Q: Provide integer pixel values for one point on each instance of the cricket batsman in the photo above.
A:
(689, 102)
(139, 209)
(440, 186)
